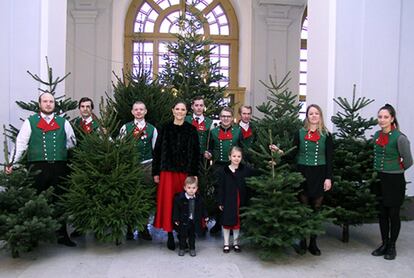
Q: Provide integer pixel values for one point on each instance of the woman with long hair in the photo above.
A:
(314, 151)
(392, 156)
(176, 156)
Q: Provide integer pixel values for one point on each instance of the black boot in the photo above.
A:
(63, 237)
(129, 234)
(302, 247)
(170, 241)
(145, 234)
(391, 252)
(313, 248)
(382, 250)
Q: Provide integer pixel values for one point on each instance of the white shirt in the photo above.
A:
(200, 118)
(22, 139)
(141, 124)
(244, 125)
(88, 119)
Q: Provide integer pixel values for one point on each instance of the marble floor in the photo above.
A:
(140, 258)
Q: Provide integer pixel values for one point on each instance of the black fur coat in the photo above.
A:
(177, 150)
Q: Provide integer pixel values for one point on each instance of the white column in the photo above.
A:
(321, 55)
(84, 50)
(276, 38)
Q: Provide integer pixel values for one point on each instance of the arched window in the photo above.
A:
(150, 25)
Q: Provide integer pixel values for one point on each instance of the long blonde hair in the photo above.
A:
(321, 127)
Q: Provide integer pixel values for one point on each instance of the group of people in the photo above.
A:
(171, 159)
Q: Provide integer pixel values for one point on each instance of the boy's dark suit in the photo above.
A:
(181, 213)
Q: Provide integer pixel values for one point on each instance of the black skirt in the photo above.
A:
(314, 179)
(390, 190)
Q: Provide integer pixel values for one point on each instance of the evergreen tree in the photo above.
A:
(275, 218)
(106, 189)
(353, 166)
(26, 218)
(140, 87)
(189, 71)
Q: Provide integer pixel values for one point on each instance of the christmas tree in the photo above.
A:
(353, 166)
(106, 189)
(26, 218)
(275, 218)
(140, 87)
(189, 70)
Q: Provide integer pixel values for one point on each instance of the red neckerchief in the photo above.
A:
(383, 138)
(313, 136)
(139, 133)
(247, 133)
(86, 127)
(199, 126)
(45, 127)
(225, 134)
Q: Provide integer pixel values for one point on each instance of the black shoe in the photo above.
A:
(301, 247)
(192, 252)
(66, 241)
(171, 242)
(216, 229)
(391, 252)
(380, 251)
(181, 252)
(145, 234)
(236, 248)
(129, 235)
(313, 248)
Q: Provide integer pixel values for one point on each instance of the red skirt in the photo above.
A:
(237, 226)
(170, 184)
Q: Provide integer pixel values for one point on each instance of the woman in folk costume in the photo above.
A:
(392, 156)
(176, 156)
(314, 151)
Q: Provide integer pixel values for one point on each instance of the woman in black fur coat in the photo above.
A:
(176, 156)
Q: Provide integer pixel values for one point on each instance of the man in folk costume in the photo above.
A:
(248, 132)
(86, 122)
(145, 135)
(222, 139)
(46, 137)
(202, 123)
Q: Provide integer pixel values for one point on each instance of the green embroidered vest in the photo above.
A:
(202, 134)
(47, 146)
(144, 142)
(95, 124)
(387, 158)
(221, 148)
(311, 153)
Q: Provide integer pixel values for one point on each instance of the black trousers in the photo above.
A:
(186, 231)
(51, 174)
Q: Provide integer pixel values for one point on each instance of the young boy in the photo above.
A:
(187, 214)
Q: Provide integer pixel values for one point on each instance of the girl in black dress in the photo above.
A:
(314, 149)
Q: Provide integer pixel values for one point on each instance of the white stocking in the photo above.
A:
(226, 236)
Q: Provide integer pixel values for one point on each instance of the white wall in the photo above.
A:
(32, 30)
(371, 46)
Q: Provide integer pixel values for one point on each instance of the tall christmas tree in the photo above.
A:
(26, 218)
(140, 87)
(189, 70)
(353, 166)
(106, 189)
(275, 218)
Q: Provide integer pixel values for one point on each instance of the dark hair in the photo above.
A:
(191, 180)
(392, 112)
(227, 109)
(178, 102)
(197, 98)
(40, 96)
(85, 99)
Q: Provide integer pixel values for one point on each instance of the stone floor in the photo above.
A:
(152, 259)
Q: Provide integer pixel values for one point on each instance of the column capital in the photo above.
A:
(84, 17)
